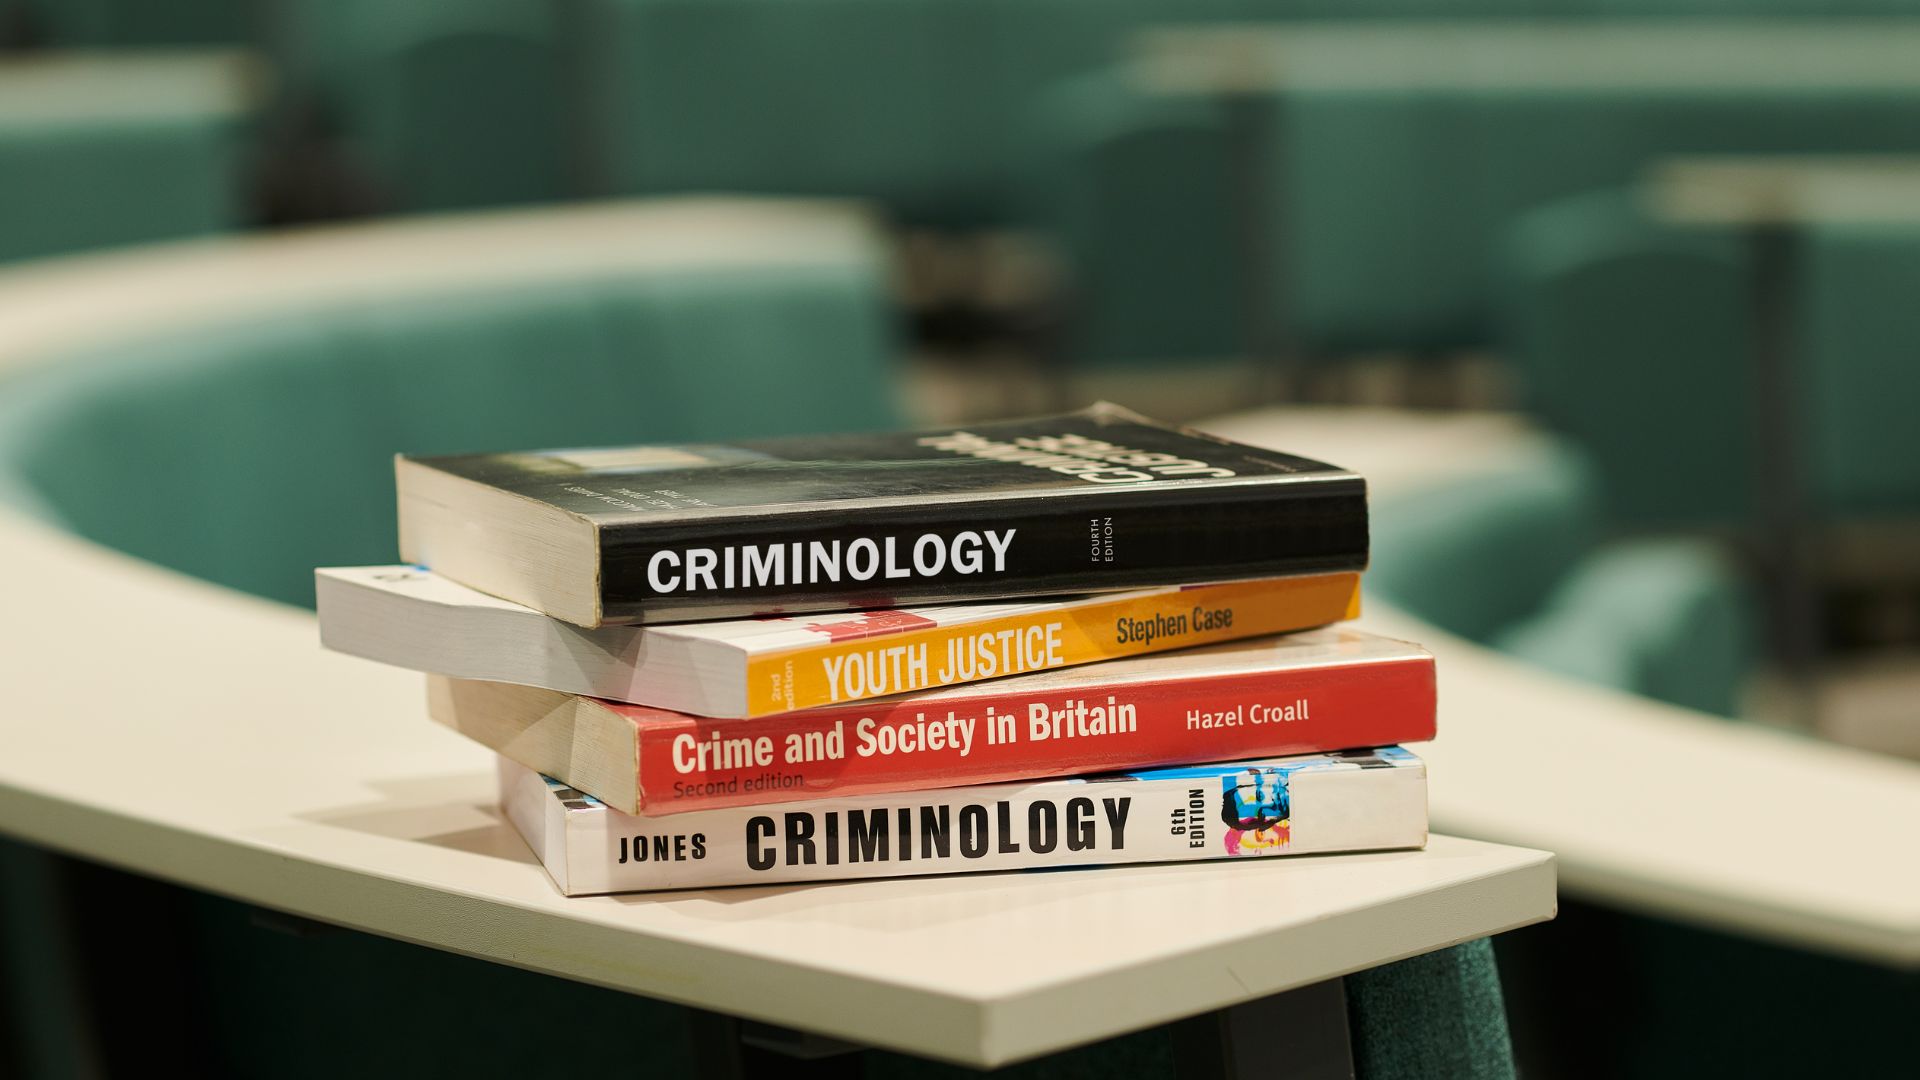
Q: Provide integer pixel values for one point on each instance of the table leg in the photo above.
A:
(728, 1048)
(1300, 1034)
(1255, 149)
(1788, 514)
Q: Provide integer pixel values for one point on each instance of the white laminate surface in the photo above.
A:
(53, 307)
(1668, 811)
(72, 88)
(1624, 56)
(215, 744)
(1751, 190)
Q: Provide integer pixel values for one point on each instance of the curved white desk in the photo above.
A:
(1669, 812)
(219, 747)
(207, 739)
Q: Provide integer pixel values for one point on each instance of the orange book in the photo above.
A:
(738, 668)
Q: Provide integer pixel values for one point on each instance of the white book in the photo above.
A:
(413, 618)
(1352, 801)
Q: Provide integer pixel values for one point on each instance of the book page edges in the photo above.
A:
(500, 543)
(562, 735)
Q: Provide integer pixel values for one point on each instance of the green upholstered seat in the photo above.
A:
(1858, 378)
(437, 104)
(1635, 339)
(1668, 618)
(104, 185)
(1390, 194)
(99, 151)
(1520, 559)
(1478, 556)
(1394, 204)
(306, 411)
(886, 99)
(1370, 218)
(1137, 195)
(923, 105)
(1442, 1014)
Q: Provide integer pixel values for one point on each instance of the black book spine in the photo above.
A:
(891, 556)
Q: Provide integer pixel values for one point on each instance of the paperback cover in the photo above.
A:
(416, 619)
(1296, 693)
(1096, 500)
(1349, 801)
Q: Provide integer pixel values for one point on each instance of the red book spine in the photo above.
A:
(690, 763)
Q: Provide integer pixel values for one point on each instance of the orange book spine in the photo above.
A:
(924, 658)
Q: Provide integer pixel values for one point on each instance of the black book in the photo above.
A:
(1094, 500)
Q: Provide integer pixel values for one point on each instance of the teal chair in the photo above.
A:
(1504, 540)
(315, 405)
(1381, 223)
(1525, 560)
(102, 151)
(1858, 380)
(1670, 618)
(1137, 194)
(1635, 340)
(883, 99)
(74, 188)
(1391, 202)
(919, 104)
(247, 452)
(1378, 205)
(424, 104)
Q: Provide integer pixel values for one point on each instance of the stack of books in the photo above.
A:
(1074, 640)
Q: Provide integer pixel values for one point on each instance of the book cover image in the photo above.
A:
(1096, 500)
(1370, 799)
(1104, 447)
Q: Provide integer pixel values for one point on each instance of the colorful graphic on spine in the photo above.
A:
(868, 624)
(1256, 804)
(1257, 811)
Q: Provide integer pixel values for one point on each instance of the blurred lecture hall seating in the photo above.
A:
(1613, 302)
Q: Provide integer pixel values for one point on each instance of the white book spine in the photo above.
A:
(1359, 801)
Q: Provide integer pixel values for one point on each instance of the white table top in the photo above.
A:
(1534, 56)
(54, 307)
(1660, 809)
(207, 739)
(67, 88)
(196, 734)
(1746, 190)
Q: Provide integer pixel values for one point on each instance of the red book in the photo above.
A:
(1323, 690)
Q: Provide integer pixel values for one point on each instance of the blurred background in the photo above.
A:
(1658, 259)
